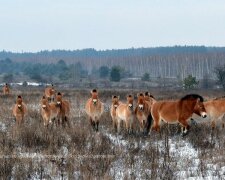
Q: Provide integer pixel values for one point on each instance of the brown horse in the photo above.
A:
(94, 109)
(142, 111)
(215, 109)
(63, 109)
(19, 110)
(50, 93)
(125, 112)
(49, 111)
(177, 111)
(115, 104)
(6, 89)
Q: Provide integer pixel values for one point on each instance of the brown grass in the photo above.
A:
(78, 152)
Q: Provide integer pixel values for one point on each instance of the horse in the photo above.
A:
(19, 110)
(125, 112)
(177, 111)
(215, 109)
(114, 105)
(63, 109)
(94, 109)
(142, 111)
(50, 93)
(49, 111)
(6, 89)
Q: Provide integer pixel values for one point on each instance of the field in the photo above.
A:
(77, 152)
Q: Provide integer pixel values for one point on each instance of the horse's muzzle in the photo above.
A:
(204, 114)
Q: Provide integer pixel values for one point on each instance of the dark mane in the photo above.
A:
(94, 90)
(192, 96)
(19, 96)
(59, 93)
(114, 96)
(152, 96)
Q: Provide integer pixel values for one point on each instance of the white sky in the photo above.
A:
(34, 25)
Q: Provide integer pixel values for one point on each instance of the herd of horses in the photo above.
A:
(148, 111)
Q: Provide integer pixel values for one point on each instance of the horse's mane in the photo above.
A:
(19, 96)
(148, 94)
(94, 90)
(192, 96)
(59, 94)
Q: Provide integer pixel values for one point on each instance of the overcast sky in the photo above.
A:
(34, 25)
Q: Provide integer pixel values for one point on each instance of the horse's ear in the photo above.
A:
(118, 97)
(113, 97)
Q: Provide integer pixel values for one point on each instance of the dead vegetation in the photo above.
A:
(34, 151)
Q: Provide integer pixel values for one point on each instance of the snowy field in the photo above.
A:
(34, 152)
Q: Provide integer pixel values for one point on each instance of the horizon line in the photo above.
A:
(113, 49)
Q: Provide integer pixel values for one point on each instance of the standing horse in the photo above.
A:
(50, 93)
(49, 111)
(142, 111)
(125, 112)
(178, 111)
(6, 89)
(19, 110)
(114, 105)
(63, 109)
(215, 109)
(94, 109)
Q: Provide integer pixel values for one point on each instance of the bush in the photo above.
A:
(190, 82)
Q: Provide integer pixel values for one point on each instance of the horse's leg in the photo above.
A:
(114, 124)
(185, 126)
(118, 127)
(213, 124)
(97, 123)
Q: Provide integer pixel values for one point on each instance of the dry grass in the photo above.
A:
(33, 151)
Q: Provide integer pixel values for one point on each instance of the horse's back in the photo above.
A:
(165, 110)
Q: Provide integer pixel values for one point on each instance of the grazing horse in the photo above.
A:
(50, 93)
(125, 112)
(63, 109)
(177, 111)
(94, 109)
(142, 111)
(215, 109)
(6, 89)
(19, 110)
(49, 111)
(115, 104)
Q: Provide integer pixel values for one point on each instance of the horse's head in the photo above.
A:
(59, 99)
(19, 102)
(94, 96)
(130, 101)
(199, 109)
(44, 102)
(197, 102)
(115, 101)
(141, 101)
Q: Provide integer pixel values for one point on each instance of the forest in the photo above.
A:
(176, 62)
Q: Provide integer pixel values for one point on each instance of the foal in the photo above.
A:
(63, 109)
(124, 112)
(48, 111)
(114, 105)
(94, 109)
(19, 110)
(50, 93)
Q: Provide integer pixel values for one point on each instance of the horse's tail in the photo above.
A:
(149, 122)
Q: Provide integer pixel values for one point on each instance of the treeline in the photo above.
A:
(175, 62)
